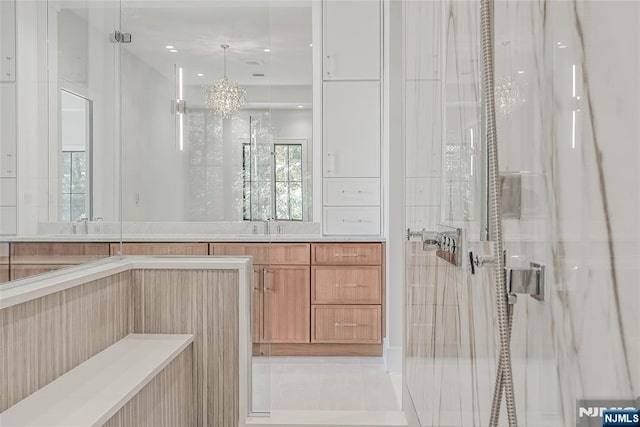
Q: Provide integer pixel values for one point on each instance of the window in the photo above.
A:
(272, 181)
(74, 185)
(76, 115)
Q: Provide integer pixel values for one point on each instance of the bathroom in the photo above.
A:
(360, 182)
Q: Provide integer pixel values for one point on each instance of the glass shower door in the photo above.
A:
(185, 164)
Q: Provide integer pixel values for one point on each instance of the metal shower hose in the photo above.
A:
(504, 379)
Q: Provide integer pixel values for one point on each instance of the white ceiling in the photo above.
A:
(197, 29)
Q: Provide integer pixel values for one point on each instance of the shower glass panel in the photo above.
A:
(185, 164)
(566, 161)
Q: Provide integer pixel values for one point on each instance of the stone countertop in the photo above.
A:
(209, 238)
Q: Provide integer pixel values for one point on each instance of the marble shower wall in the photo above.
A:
(567, 95)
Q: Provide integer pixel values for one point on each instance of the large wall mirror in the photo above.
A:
(155, 148)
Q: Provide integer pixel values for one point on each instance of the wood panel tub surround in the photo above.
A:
(76, 324)
(203, 303)
(44, 337)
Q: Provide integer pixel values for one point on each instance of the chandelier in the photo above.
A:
(225, 97)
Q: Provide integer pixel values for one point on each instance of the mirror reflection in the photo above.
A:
(181, 157)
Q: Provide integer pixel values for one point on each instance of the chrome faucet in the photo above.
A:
(267, 227)
(84, 226)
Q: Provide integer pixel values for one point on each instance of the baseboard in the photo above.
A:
(317, 349)
(392, 358)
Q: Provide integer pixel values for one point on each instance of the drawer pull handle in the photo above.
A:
(347, 285)
(355, 221)
(352, 191)
(346, 325)
(349, 255)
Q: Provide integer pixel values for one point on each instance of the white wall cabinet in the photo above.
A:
(352, 129)
(7, 40)
(352, 40)
(7, 130)
(352, 117)
(351, 220)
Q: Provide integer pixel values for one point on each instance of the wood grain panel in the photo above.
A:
(22, 271)
(4, 273)
(46, 337)
(346, 285)
(256, 313)
(286, 303)
(203, 303)
(174, 248)
(166, 401)
(266, 253)
(57, 253)
(222, 350)
(346, 253)
(4, 253)
(346, 323)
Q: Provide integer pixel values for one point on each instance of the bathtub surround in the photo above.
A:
(205, 297)
(565, 74)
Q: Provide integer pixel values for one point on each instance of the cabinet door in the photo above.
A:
(7, 131)
(351, 129)
(352, 42)
(286, 306)
(256, 315)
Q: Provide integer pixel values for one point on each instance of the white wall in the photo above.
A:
(154, 170)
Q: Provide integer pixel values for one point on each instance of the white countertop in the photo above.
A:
(212, 238)
(22, 290)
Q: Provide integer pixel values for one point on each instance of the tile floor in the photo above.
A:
(324, 383)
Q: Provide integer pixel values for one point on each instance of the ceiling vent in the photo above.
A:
(253, 62)
(258, 75)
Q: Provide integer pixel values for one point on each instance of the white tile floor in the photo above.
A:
(324, 383)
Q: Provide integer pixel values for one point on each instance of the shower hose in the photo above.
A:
(504, 379)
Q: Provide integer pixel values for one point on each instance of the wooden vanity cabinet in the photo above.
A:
(4, 262)
(31, 258)
(347, 293)
(281, 289)
(174, 248)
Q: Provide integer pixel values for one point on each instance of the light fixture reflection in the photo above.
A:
(225, 97)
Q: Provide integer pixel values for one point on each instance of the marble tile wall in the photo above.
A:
(567, 96)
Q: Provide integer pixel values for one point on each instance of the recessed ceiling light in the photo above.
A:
(562, 46)
(200, 75)
(310, 44)
(521, 72)
(173, 51)
(169, 46)
(300, 106)
(267, 50)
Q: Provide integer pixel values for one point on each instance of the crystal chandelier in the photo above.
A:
(225, 97)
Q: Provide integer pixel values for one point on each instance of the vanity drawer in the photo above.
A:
(63, 253)
(352, 192)
(352, 220)
(345, 285)
(346, 324)
(265, 253)
(160, 249)
(346, 253)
